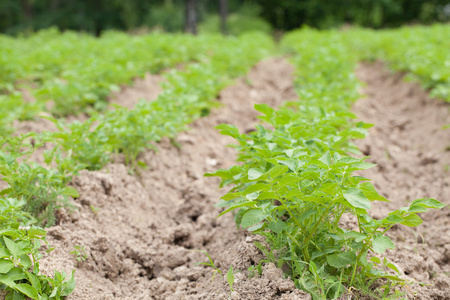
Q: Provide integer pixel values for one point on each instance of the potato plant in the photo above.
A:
(295, 186)
(76, 72)
(20, 241)
(42, 190)
(297, 180)
(13, 107)
(421, 51)
(188, 94)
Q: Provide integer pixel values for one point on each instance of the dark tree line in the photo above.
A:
(288, 14)
(176, 15)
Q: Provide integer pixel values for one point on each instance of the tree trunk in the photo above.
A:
(223, 16)
(27, 9)
(191, 16)
(54, 5)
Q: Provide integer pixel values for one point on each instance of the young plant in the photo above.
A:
(295, 185)
(216, 270)
(211, 264)
(230, 277)
(20, 241)
(79, 253)
(42, 190)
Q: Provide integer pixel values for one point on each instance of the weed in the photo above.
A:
(216, 270)
(94, 209)
(210, 263)
(230, 277)
(79, 253)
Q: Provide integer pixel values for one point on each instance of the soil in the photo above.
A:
(139, 231)
(145, 88)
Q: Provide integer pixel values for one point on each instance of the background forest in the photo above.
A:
(17, 16)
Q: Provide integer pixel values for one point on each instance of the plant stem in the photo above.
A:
(308, 238)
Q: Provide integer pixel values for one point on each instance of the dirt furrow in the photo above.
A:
(138, 231)
(411, 148)
(147, 87)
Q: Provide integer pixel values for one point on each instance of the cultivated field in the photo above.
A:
(115, 165)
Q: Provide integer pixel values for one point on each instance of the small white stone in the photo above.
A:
(211, 161)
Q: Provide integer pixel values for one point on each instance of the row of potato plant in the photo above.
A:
(187, 94)
(423, 51)
(35, 191)
(295, 180)
(13, 107)
(73, 72)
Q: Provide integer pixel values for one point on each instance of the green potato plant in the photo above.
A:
(187, 95)
(20, 241)
(422, 51)
(41, 189)
(82, 86)
(294, 190)
(74, 73)
(296, 179)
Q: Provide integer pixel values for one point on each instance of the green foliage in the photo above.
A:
(422, 51)
(97, 16)
(288, 15)
(79, 253)
(246, 19)
(216, 270)
(20, 241)
(230, 277)
(210, 263)
(77, 146)
(188, 94)
(13, 107)
(296, 179)
(168, 17)
(75, 72)
(42, 190)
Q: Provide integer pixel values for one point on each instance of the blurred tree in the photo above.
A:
(94, 16)
(223, 16)
(289, 14)
(27, 7)
(168, 16)
(191, 16)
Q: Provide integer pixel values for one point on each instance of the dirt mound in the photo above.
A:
(148, 88)
(411, 148)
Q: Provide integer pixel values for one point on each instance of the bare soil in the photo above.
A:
(145, 88)
(139, 231)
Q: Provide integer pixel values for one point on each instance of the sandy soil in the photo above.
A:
(139, 231)
(147, 88)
